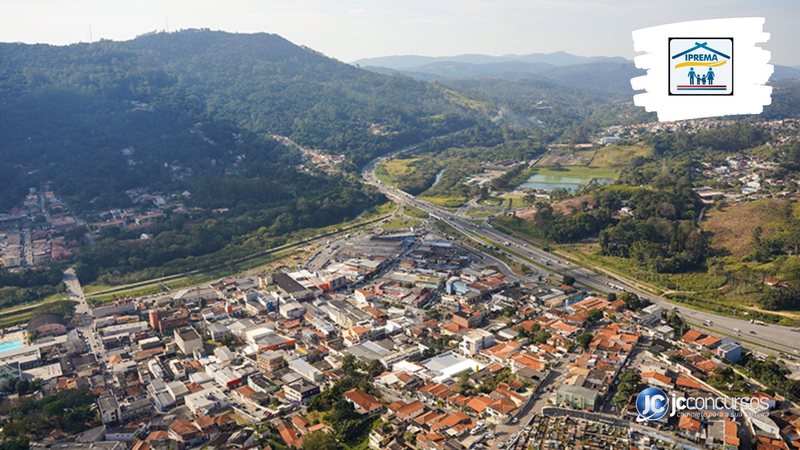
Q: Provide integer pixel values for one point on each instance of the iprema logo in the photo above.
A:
(701, 66)
(651, 404)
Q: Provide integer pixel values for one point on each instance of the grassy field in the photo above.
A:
(732, 227)
(619, 155)
(10, 317)
(391, 171)
(449, 202)
(400, 223)
(417, 213)
(701, 290)
(581, 172)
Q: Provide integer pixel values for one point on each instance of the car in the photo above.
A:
(752, 332)
(501, 445)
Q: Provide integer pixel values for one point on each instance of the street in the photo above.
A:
(771, 339)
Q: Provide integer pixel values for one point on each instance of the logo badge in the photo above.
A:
(700, 66)
(651, 404)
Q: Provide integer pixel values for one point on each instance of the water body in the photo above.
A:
(551, 182)
(10, 345)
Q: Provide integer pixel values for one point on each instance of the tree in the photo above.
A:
(320, 440)
(584, 340)
(349, 364)
(595, 315)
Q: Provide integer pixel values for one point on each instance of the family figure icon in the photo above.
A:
(707, 78)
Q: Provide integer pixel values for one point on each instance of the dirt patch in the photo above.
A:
(572, 205)
(525, 214)
(733, 227)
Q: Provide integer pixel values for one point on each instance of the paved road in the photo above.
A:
(85, 316)
(767, 338)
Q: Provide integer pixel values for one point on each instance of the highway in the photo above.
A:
(770, 339)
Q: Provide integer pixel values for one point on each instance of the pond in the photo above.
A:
(548, 182)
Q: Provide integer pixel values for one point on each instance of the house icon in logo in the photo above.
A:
(701, 66)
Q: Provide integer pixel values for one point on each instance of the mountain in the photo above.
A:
(785, 73)
(199, 119)
(410, 62)
(605, 74)
(181, 97)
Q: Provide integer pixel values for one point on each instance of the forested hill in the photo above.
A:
(198, 98)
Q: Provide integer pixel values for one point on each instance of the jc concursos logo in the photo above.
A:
(651, 404)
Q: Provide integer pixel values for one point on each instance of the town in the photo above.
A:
(395, 339)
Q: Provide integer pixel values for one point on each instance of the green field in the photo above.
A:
(391, 171)
(399, 223)
(448, 202)
(582, 172)
(615, 155)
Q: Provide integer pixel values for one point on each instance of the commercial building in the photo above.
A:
(188, 341)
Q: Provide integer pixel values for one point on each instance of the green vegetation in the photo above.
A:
(400, 223)
(70, 411)
(728, 381)
(618, 155)
(584, 340)
(628, 383)
(15, 317)
(18, 288)
(439, 171)
(773, 374)
(581, 172)
(350, 428)
(192, 111)
(234, 259)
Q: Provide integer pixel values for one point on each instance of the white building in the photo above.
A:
(206, 401)
(475, 341)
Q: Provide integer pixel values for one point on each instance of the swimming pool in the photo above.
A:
(10, 345)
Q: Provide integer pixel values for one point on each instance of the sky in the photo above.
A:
(353, 29)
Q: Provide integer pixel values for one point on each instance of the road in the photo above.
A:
(769, 339)
(85, 316)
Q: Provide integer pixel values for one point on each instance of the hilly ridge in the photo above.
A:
(190, 116)
(61, 105)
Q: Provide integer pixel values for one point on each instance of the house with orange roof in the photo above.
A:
(448, 421)
(689, 427)
(563, 329)
(356, 334)
(436, 391)
(590, 303)
(479, 403)
(430, 441)
(142, 445)
(452, 328)
(503, 391)
(529, 361)
(707, 366)
(158, 438)
(181, 430)
(731, 433)
(363, 402)
(768, 443)
(686, 382)
(709, 342)
(501, 352)
(691, 336)
(424, 419)
(657, 379)
(410, 411)
(500, 411)
(289, 434)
